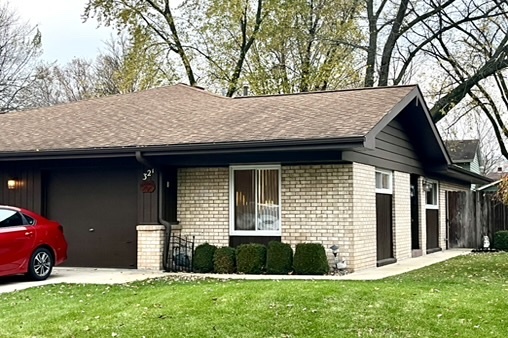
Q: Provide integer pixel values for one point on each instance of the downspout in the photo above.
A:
(167, 226)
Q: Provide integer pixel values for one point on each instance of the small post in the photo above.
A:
(335, 250)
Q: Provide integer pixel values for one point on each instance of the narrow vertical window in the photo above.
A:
(384, 181)
(431, 194)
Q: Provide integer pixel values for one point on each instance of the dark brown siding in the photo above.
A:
(28, 194)
(394, 151)
(432, 230)
(384, 232)
(169, 195)
(148, 202)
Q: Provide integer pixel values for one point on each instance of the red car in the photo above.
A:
(29, 243)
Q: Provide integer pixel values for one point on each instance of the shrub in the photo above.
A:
(310, 259)
(279, 258)
(224, 260)
(250, 258)
(203, 258)
(501, 240)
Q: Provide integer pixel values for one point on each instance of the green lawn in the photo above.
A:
(464, 297)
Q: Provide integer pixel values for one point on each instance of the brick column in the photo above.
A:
(364, 217)
(150, 246)
(401, 215)
(422, 200)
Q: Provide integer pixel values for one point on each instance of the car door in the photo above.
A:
(16, 241)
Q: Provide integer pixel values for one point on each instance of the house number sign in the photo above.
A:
(148, 173)
(148, 184)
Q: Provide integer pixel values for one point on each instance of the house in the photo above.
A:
(498, 174)
(364, 169)
(465, 153)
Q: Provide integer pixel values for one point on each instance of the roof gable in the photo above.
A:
(414, 115)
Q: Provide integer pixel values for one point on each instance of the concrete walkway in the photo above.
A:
(117, 276)
(367, 274)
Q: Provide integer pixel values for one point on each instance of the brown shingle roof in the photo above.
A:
(462, 151)
(180, 114)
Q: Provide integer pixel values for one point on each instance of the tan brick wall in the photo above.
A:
(401, 215)
(327, 204)
(364, 253)
(150, 246)
(317, 206)
(203, 204)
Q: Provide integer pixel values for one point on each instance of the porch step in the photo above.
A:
(416, 253)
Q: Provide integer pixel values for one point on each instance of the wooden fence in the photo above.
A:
(472, 215)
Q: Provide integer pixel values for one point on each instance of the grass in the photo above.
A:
(463, 297)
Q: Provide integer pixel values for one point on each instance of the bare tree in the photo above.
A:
(474, 62)
(19, 50)
(403, 33)
(153, 16)
(123, 67)
(132, 63)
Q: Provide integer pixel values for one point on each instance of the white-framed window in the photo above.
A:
(255, 195)
(384, 179)
(431, 189)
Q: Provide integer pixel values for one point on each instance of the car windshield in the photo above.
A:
(9, 218)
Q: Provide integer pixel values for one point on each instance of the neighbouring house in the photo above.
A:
(498, 173)
(364, 169)
(465, 154)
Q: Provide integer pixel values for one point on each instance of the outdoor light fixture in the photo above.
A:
(11, 183)
(427, 186)
(335, 250)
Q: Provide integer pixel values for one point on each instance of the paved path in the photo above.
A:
(367, 274)
(115, 276)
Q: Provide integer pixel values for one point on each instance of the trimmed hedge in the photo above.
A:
(279, 258)
(310, 259)
(203, 258)
(501, 240)
(224, 260)
(250, 258)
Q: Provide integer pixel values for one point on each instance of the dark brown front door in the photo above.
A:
(384, 229)
(415, 222)
(98, 210)
(432, 230)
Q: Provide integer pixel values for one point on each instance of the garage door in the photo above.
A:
(97, 208)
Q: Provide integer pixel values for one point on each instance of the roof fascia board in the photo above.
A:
(194, 149)
(462, 161)
(467, 175)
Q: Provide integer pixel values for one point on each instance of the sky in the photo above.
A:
(64, 35)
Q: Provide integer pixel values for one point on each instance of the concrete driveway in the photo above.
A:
(79, 276)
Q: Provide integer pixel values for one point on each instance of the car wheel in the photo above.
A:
(41, 264)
